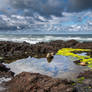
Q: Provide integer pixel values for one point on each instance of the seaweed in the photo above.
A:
(70, 52)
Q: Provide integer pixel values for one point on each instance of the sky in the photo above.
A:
(46, 15)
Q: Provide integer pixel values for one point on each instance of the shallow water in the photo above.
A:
(60, 67)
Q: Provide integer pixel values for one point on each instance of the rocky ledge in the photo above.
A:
(35, 82)
(12, 50)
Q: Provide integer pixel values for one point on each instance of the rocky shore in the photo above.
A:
(34, 82)
(12, 51)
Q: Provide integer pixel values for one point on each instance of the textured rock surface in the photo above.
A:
(84, 83)
(12, 51)
(34, 82)
(5, 72)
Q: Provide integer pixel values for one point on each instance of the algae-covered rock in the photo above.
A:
(84, 59)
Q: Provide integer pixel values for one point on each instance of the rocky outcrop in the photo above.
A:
(13, 50)
(84, 45)
(71, 43)
(34, 82)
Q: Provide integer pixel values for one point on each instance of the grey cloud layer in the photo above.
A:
(51, 7)
(46, 7)
(79, 5)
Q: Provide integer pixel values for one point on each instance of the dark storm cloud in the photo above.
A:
(79, 5)
(46, 7)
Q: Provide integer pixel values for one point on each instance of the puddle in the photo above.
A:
(60, 67)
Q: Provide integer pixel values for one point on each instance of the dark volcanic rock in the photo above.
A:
(34, 82)
(3, 68)
(84, 45)
(13, 50)
(5, 72)
(71, 43)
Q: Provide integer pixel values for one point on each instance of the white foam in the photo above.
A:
(36, 39)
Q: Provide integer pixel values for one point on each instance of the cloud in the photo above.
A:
(81, 21)
(3, 3)
(44, 7)
(79, 5)
(46, 15)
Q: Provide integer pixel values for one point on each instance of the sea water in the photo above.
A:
(35, 38)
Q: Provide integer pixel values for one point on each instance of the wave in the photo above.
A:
(35, 39)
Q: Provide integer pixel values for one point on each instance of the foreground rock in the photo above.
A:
(34, 82)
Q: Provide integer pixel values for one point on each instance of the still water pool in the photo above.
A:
(60, 67)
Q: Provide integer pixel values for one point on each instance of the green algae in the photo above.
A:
(70, 52)
(81, 79)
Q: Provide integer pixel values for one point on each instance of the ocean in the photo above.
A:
(35, 38)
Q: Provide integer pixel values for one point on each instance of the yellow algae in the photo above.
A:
(69, 52)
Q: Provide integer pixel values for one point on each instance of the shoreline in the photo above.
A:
(14, 50)
(11, 51)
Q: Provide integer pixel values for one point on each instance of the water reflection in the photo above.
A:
(61, 66)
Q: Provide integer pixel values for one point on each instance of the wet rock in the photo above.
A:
(77, 62)
(84, 45)
(71, 43)
(49, 57)
(5, 72)
(14, 50)
(49, 60)
(80, 63)
(3, 68)
(86, 83)
(83, 64)
(34, 82)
